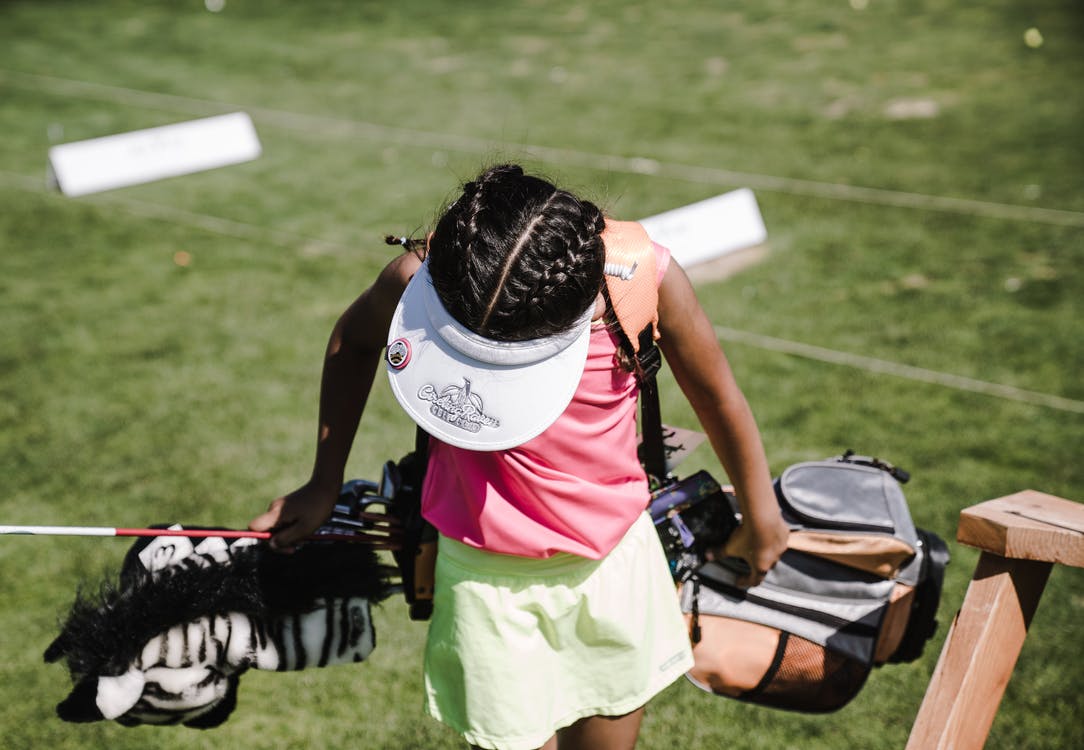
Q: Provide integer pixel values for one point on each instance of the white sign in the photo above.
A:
(142, 156)
(710, 228)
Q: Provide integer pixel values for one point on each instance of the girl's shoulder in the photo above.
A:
(398, 272)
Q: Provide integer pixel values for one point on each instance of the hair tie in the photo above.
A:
(620, 270)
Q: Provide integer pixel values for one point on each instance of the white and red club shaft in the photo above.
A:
(386, 540)
(110, 531)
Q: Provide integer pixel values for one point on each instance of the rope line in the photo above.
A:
(887, 367)
(327, 125)
(808, 351)
(212, 224)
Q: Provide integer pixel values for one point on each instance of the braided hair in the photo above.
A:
(516, 258)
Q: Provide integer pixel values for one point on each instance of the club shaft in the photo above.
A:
(109, 531)
(378, 540)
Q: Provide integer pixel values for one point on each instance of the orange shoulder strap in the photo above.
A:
(631, 274)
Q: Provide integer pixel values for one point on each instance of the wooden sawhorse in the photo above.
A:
(1021, 537)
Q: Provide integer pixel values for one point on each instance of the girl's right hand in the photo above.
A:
(294, 517)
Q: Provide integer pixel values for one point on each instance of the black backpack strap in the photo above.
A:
(647, 362)
(652, 451)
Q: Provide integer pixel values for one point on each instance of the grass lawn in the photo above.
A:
(919, 168)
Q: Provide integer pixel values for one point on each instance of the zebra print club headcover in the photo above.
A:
(168, 642)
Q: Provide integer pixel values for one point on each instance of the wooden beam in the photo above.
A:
(1028, 525)
(1021, 537)
(979, 655)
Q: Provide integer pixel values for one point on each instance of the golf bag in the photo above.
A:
(858, 586)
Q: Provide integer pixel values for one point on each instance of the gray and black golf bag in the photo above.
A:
(857, 587)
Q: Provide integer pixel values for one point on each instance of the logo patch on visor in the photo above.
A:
(398, 354)
(458, 406)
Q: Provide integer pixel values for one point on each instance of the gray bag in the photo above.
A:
(857, 587)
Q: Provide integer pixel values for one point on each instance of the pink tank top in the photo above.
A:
(575, 488)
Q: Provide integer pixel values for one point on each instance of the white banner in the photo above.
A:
(710, 228)
(142, 156)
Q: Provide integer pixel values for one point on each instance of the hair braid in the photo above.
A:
(515, 257)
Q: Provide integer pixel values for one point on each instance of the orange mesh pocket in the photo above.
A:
(808, 677)
(764, 665)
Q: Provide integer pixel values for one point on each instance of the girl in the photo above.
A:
(555, 617)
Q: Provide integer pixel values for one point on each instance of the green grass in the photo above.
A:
(134, 390)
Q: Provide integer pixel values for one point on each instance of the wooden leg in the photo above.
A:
(979, 655)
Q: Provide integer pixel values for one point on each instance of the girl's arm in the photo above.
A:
(691, 348)
(350, 365)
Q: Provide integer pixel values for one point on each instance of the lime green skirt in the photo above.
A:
(520, 647)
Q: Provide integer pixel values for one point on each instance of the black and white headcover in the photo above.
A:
(168, 643)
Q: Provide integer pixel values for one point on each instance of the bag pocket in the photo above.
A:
(821, 494)
(769, 667)
(820, 601)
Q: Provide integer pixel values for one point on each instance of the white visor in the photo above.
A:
(473, 392)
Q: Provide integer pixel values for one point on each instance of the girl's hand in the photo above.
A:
(760, 544)
(350, 365)
(296, 516)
